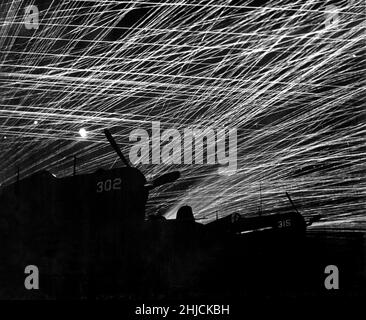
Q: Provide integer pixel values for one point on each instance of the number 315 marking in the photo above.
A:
(109, 184)
(284, 223)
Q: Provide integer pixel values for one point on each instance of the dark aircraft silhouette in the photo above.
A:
(89, 237)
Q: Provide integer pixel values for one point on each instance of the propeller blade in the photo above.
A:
(165, 178)
(293, 205)
(115, 147)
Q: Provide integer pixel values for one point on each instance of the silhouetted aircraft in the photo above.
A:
(88, 234)
(285, 223)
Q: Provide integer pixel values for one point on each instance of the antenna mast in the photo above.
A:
(74, 172)
(260, 194)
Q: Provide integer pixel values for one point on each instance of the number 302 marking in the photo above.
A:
(109, 184)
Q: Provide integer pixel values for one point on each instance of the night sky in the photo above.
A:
(289, 81)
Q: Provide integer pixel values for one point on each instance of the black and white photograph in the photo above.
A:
(183, 158)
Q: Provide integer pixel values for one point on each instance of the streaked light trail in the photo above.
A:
(292, 85)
